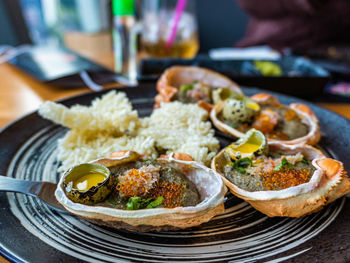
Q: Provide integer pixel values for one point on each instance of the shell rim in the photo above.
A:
(310, 122)
(213, 200)
(288, 192)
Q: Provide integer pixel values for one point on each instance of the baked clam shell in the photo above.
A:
(306, 114)
(209, 185)
(170, 81)
(328, 183)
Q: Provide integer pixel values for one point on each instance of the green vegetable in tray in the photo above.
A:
(268, 68)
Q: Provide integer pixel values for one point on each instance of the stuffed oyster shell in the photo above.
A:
(149, 205)
(190, 84)
(293, 124)
(288, 180)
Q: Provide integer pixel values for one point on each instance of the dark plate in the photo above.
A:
(30, 231)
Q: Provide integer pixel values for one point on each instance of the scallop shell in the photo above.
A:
(208, 182)
(170, 81)
(328, 183)
(308, 117)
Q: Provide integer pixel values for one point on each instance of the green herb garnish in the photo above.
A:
(186, 87)
(242, 164)
(304, 160)
(241, 170)
(284, 165)
(156, 202)
(136, 203)
(145, 202)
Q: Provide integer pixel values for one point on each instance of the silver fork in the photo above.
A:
(45, 191)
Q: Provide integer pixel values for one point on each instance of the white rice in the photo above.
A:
(110, 125)
(179, 127)
(112, 114)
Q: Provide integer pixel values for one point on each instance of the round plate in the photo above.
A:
(30, 231)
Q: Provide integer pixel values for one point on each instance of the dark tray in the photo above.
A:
(300, 77)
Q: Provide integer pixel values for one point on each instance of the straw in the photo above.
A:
(180, 6)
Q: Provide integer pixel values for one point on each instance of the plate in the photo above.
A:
(30, 231)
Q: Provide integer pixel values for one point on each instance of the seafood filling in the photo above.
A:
(273, 172)
(147, 184)
(275, 120)
(194, 92)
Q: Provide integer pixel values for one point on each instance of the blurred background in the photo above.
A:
(262, 45)
(53, 21)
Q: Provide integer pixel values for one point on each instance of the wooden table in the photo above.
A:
(20, 94)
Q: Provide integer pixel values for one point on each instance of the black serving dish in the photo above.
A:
(300, 77)
(31, 232)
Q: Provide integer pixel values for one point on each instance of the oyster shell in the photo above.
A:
(303, 111)
(327, 183)
(208, 183)
(170, 81)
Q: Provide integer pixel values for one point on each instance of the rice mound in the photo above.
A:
(179, 127)
(112, 113)
(110, 124)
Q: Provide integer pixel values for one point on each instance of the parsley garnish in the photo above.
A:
(304, 160)
(242, 164)
(284, 165)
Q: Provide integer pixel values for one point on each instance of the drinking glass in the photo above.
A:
(161, 36)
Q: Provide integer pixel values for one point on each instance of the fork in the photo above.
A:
(45, 191)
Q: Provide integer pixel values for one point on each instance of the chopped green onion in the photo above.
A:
(156, 202)
(304, 160)
(244, 162)
(241, 170)
(186, 87)
(145, 202)
(241, 164)
(284, 165)
(134, 203)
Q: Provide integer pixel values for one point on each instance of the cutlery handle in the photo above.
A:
(8, 184)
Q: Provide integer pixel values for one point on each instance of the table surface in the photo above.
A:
(21, 94)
